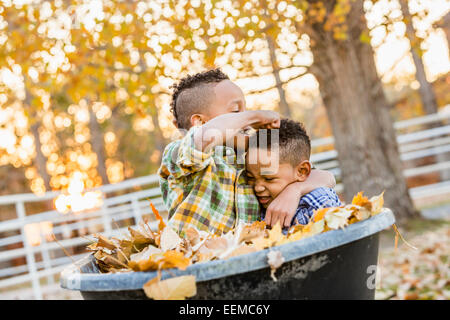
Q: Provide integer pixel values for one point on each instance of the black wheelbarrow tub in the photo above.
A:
(338, 264)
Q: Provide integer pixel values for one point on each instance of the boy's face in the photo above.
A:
(267, 179)
(228, 98)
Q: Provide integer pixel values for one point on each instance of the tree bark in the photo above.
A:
(160, 141)
(98, 145)
(283, 105)
(359, 115)
(426, 91)
(444, 23)
(40, 160)
(427, 94)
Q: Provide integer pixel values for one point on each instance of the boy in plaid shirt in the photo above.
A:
(290, 153)
(202, 174)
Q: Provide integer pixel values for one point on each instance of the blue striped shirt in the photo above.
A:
(316, 199)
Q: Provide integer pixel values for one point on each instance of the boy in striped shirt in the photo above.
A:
(272, 164)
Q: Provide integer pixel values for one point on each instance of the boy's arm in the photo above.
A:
(284, 206)
(217, 130)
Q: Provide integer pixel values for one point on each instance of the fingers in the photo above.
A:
(274, 215)
(288, 220)
(275, 124)
(268, 217)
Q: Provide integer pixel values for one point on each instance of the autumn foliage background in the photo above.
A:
(85, 85)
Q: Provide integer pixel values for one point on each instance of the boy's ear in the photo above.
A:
(303, 170)
(197, 119)
(174, 121)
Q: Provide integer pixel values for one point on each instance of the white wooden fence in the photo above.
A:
(28, 237)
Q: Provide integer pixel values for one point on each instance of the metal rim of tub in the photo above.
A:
(72, 279)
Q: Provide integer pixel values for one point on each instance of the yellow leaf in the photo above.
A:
(178, 288)
(161, 224)
(256, 229)
(319, 214)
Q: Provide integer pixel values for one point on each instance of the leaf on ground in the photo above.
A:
(178, 288)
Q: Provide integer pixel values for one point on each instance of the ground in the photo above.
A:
(421, 273)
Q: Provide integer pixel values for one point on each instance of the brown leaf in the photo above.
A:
(104, 242)
(140, 238)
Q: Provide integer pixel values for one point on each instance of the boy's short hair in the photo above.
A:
(293, 141)
(193, 94)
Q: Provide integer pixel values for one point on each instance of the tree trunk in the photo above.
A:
(98, 145)
(283, 105)
(160, 141)
(40, 160)
(359, 115)
(444, 23)
(426, 91)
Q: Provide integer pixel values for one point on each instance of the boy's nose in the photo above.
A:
(259, 188)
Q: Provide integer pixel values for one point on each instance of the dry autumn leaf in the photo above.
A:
(178, 288)
(145, 250)
(161, 224)
(169, 239)
(275, 259)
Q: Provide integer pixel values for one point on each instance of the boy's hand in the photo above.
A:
(266, 119)
(283, 207)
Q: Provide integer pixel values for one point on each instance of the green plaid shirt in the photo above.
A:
(205, 190)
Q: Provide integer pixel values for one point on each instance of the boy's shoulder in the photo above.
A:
(320, 198)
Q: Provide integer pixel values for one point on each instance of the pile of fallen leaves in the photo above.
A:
(147, 250)
(423, 274)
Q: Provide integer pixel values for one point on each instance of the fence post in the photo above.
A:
(31, 263)
(105, 216)
(136, 210)
(46, 258)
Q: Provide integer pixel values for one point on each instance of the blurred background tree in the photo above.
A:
(85, 85)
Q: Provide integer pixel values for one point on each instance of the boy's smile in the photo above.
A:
(267, 176)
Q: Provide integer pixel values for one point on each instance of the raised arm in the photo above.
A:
(226, 126)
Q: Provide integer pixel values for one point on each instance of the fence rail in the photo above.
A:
(27, 237)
